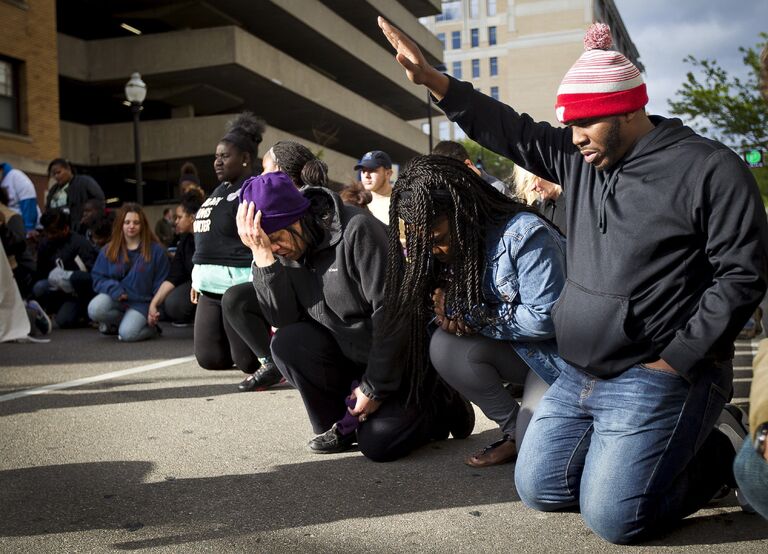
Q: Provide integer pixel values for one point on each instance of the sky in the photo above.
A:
(666, 31)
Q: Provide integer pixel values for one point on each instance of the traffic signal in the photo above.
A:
(754, 157)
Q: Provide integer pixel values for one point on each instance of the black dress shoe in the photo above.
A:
(261, 379)
(332, 442)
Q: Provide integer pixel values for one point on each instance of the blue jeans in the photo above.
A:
(132, 324)
(634, 453)
(752, 476)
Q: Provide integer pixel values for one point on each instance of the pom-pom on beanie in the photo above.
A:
(277, 197)
(602, 82)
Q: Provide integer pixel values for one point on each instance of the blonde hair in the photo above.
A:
(523, 181)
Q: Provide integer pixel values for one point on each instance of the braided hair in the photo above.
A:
(301, 165)
(245, 132)
(431, 188)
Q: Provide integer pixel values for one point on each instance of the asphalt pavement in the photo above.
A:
(113, 446)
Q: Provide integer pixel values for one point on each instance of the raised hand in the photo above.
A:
(253, 236)
(412, 59)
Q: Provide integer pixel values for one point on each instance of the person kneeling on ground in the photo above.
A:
(64, 260)
(667, 258)
(491, 297)
(318, 272)
(174, 293)
(126, 276)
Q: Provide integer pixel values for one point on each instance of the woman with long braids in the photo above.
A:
(488, 270)
(240, 304)
(221, 260)
(318, 273)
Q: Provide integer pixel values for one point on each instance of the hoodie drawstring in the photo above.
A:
(609, 188)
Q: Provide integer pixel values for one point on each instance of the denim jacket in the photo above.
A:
(524, 274)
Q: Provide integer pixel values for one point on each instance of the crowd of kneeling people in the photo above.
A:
(393, 309)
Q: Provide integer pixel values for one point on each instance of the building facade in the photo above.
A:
(517, 50)
(29, 87)
(317, 71)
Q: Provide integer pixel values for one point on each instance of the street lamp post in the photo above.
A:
(135, 93)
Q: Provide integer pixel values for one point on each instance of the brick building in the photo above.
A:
(29, 87)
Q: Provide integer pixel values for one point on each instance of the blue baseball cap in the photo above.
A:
(373, 160)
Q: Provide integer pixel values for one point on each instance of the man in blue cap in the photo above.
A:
(375, 169)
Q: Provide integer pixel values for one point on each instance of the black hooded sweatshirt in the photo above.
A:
(667, 249)
(339, 283)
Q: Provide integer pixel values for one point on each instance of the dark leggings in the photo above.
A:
(311, 360)
(177, 306)
(217, 345)
(242, 313)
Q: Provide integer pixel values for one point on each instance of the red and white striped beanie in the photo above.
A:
(602, 82)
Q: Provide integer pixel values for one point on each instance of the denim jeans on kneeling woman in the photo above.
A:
(751, 473)
(131, 324)
(634, 453)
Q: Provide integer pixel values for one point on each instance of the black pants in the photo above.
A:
(70, 309)
(177, 306)
(217, 345)
(311, 360)
(242, 313)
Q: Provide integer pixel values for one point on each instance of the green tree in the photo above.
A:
(726, 107)
(498, 166)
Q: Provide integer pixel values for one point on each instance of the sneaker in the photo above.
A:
(42, 321)
(262, 379)
(107, 329)
(331, 442)
(733, 423)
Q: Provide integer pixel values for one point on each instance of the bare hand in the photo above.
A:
(364, 406)
(661, 365)
(194, 295)
(123, 297)
(253, 236)
(453, 326)
(417, 69)
(153, 316)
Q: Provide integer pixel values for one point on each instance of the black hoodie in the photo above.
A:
(339, 283)
(667, 250)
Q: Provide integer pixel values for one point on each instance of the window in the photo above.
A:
(444, 130)
(425, 128)
(441, 38)
(491, 36)
(474, 9)
(494, 66)
(457, 70)
(491, 8)
(451, 11)
(458, 134)
(9, 96)
(495, 93)
(475, 69)
(474, 37)
(456, 40)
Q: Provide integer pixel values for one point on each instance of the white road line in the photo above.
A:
(95, 378)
